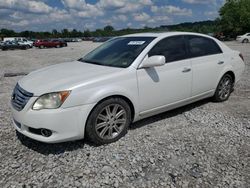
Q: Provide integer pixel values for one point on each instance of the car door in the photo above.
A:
(45, 43)
(13, 45)
(167, 84)
(207, 63)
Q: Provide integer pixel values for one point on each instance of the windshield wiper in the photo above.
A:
(98, 63)
(88, 61)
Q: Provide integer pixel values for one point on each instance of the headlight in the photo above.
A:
(50, 100)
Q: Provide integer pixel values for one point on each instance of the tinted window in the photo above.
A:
(201, 46)
(173, 48)
(118, 52)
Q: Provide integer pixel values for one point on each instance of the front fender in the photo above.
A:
(125, 86)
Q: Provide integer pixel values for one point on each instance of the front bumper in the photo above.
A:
(66, 124)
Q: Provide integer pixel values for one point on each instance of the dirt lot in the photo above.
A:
(204, 144)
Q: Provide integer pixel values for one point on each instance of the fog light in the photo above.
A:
(46, 132)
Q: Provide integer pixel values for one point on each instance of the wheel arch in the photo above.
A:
(215, 95)
(226, 71)
(126, 99)
(231, 73)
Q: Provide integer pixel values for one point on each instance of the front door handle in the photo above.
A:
(221, 62)
(186, 70)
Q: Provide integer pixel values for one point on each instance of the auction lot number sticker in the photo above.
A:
(136, 42)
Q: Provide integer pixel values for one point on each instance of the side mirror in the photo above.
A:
(153, 61)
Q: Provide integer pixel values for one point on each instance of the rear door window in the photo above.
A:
(202, 46)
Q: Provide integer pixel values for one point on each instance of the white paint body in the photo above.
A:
(245, 37)
(150, 90)
(28, 43)
(20, 40)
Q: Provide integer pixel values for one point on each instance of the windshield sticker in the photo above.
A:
(136, 42)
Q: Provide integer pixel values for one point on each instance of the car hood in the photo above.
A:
(65, 76)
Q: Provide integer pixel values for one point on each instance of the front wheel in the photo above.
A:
(108, 121)
(224, 88)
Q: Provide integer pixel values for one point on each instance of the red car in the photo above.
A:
(49, 43)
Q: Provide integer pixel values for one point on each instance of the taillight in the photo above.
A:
(241, 56)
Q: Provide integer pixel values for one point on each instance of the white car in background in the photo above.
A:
(244, 38)
(25, 42)
(124, 80)
(20, 40)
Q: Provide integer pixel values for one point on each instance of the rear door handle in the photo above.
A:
(221, 62)
(186, 70)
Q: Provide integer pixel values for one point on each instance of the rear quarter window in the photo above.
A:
(202, 46)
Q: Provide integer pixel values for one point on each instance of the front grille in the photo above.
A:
(20, 97)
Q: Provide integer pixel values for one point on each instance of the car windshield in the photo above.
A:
(117, 52)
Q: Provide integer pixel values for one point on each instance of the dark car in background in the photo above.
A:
(72, 39)
(1, 44)
(12, 45)
(45, 43)
(101, 39)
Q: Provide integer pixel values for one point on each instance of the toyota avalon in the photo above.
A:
(126, 79)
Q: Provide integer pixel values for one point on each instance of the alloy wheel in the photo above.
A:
(225, 88)
(245, 41)
(110, 121)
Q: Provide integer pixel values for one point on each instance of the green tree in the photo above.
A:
(235, 17)
(65, 33)
(55, 33)
(108, 31)
(8, 33)
(87, 33)
(108, 28)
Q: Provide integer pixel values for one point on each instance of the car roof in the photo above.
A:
(163, 34)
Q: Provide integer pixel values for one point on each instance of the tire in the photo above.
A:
(58, 46)
(41, 46)
(224, 88)
(245, 41)
(113, 116)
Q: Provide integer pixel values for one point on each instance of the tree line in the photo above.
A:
(109, 31)
(234, 19)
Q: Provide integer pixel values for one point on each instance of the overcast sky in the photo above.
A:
(45, 15)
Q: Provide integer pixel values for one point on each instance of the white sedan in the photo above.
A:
(124, 80)
(244, 38)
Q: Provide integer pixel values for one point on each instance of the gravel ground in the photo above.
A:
(204, 144)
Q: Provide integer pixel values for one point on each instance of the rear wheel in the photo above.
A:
(224, 88)
(245, 41)
(108, 121)
(58, 46)
(41, 47)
